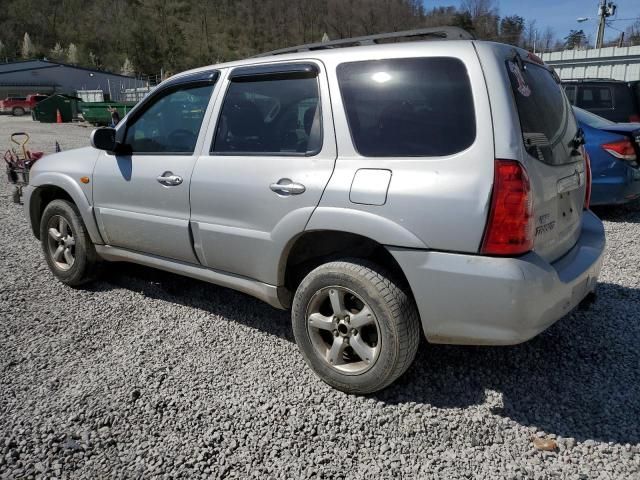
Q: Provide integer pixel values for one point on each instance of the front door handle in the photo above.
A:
(169, 179)
(286, 186)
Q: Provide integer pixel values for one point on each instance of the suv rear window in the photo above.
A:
(408, 107)
(546, 119)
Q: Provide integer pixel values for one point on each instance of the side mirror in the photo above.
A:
(104, 139)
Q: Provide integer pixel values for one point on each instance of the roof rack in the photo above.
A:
(441, 33)
(592, 79)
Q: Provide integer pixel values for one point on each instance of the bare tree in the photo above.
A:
(632, 33)
(57, 52)
(72, 54)
(178, 34)
(575, 40)
(511, 29)
(479, 8)
(127, 68)
(484, 16)
(441, 16)
(27, 50)
(547, 40)
(531, 35)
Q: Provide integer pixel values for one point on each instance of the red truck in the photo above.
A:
(18, 106)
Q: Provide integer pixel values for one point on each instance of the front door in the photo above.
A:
(272, 152)
(141, 198)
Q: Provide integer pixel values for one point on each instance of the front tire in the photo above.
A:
(356, 328)
(66, 244)
(18, 111)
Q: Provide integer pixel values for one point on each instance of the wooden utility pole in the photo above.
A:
(605, 10)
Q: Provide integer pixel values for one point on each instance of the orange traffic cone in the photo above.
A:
(58, 116)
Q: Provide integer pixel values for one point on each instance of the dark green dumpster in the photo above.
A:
(47, 110)
(98, 113)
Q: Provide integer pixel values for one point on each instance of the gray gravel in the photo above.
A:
(146, 374)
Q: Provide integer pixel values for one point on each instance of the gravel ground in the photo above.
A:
(146, 374)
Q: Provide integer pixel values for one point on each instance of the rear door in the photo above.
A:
(553, 160)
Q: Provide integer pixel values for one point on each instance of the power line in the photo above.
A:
(614, 28)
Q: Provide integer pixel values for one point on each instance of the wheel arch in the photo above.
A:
(312, 248)
(60, 187)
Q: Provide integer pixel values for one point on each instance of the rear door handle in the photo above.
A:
(286, 186)
(169, 179)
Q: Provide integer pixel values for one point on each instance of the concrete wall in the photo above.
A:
(618, 63)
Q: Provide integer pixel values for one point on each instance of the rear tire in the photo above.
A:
(379, 349)
(18, 111)
(67, 247)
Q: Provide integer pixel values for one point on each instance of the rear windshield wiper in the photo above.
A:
(577, 141)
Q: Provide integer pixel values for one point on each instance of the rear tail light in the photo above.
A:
(587, 169)
(622, 149)
(634, 118)
(510, 227)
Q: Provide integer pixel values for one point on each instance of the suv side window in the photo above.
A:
(624, 102)
(171, 123)
(408, 107)
(570, 91)
(270, 115)
(593, 97)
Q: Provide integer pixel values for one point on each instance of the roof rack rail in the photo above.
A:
(444, 33)
(592, 79)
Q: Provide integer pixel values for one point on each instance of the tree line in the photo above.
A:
(146, 36)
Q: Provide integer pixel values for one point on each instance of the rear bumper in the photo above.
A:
(476, 300)
(618, 189)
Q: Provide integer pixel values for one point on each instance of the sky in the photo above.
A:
(561, 15)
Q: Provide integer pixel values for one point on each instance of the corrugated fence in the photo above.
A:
(618, 63)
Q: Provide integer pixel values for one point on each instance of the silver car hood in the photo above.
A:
(75, 163)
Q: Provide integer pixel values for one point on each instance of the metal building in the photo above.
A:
(618, 63)
(44, 76)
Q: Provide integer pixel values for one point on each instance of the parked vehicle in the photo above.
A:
(364, 187)
(97, 113)
(18, 106)
(614, 100)
(614, 149)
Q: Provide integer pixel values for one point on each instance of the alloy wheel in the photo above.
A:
(61, 242)
(344, 330)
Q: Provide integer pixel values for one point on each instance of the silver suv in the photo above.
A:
(377, 190)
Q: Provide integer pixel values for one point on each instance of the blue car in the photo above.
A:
(614, 149)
